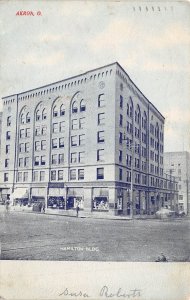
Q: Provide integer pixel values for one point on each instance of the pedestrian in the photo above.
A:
(43, 208)
(7, 206)
(77, 210)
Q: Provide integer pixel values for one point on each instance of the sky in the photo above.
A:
(151, 41)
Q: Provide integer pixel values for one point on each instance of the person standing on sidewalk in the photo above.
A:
(77, 210)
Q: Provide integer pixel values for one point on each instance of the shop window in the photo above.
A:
(100, 173)
(60, 175)
(62, 110)
(26, 162)
(61, 158)
(73, 174)
(43, 160)
(53, 175)
(8, 135)
(27, 132)
(82, 105)
(6, 177)
(6, 163)
(61, 142)
(42, 175)
(55, 128)
(80, 174)
(74, 107)
(74, 140)
(100, 137)
(81, 123)
(74, 124)
(101, 119)
(25, 176)
(100, 203)
(101, 100)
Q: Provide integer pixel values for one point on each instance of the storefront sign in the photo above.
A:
(56, 184)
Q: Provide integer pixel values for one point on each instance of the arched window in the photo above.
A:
(22, 119)
(28, 117)
(55, 111)
(37, 115)
(44, 114)
(62, 110)
(74, 107)
(82, 105)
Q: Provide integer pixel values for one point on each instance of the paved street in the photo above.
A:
(28, 236)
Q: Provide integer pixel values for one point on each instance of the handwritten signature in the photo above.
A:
(104, 292)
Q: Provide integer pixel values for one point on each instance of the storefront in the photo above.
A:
(56, 199)
(75, 197)
(119, 200)
(100, 200)
(19, 197)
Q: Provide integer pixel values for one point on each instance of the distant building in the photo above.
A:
(178, 164)
(75, 142)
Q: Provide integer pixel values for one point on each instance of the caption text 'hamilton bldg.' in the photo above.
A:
(76, 141)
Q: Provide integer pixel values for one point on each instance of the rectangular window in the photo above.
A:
(100, 137)
(100, 155)
(101, 100)
(6, 177)
(8, 135)
(73, 174)
(100, 173)
(80, 174)
(101, 119)
(43, 145)
(20, 162)
(25, 176)
(55, 128)
(120, 137)
(44, 130)
(6, 163)
(19, 176)
(121, 102)
(74, 124)
(37, 131)
(82, 139)
(61, 142)
(121, 120)
(54, 143)
(9, 121)
(26, 147)
(60, 175)
(73, 157)
(27, 132)
(36, 160)
(26, 162)
(61, 158)
(81, 123)
(74, 140)
(35, 175)
(21, 133)
(81, 157)
(120, 156)
(54, 159)
(7, 149)
(62, 126)
(120, 174)
(53, 175)
(42, 175)
(43, 160)
(21, 148)
(37, 146)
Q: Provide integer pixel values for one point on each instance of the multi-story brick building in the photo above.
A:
(76, 141)
(178, 164)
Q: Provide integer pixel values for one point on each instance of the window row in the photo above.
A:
(22, 176)
(24, 147)
(39, 160)
(40, 145)
(23, 162)
(78, 123)
(77, 157)
(40, 130)
(76, 108)
(58, 127)
(24, 133)
(58, 143)
(78, 140)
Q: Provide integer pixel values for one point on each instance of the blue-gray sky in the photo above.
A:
(152, 45)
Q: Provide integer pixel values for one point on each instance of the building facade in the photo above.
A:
(75, 142)
(178, 164)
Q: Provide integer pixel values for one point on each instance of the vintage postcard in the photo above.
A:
(95, 150)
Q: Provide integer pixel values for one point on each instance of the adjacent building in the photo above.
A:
(178, 164)
(76, 141)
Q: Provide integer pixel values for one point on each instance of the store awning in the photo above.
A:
(19, 193)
